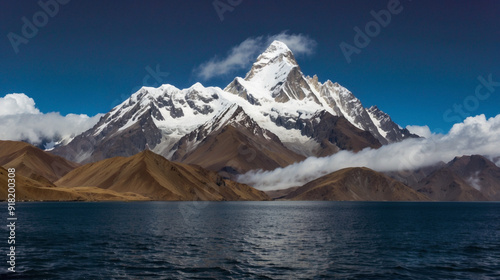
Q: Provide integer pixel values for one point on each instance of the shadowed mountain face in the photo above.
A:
(355, 184)
(466, 178)
(150, 175)
(337, 131)
(32, 162)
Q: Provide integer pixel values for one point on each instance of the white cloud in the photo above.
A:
(238, 58)
(423, 131)
(242, 55)
(17, 103)
(21, 120)
(476, 135)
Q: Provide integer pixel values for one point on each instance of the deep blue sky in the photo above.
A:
(93, 54)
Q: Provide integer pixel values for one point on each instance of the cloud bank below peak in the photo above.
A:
(243, 55)
(20, 120)
(475, 135)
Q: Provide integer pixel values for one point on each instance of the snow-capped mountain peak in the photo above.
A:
(274, 96)
(274, 77)
(277, 52)
(277, 85)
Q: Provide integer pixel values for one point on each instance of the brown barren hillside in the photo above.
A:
(356, 184)
(30, 190)
(153, 176)
(465, 178)
(32, 162)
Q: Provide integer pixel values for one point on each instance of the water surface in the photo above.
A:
(257, 240)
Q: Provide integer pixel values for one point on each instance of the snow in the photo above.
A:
(191, 118)
(263, 84)
(174, 127)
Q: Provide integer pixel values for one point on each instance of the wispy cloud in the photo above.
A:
(242, 55)
(238, 58)
(299, 44)
(476, 135)
(474, 181)
(21, 120)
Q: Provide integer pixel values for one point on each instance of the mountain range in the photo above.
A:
(149, 176)
(273, 117)
(167, 143)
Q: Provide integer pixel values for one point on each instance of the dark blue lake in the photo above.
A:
(256, 240)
